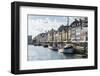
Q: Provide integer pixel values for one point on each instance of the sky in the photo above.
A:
(43, 23)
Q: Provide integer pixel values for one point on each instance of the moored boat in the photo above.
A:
(49, 47)
(54, 48)
(61, 50)
(45, 45)
(67, 46)
(79, 50)
(39, 44)
(68, 49)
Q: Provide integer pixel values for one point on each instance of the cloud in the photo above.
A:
(41, 25)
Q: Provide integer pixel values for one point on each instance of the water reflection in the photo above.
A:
(41, 53)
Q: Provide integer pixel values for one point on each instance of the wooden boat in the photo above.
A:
(79, 49)
(45, 45)
(54, 48)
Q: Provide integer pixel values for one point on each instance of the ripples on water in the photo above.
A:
(41, 53)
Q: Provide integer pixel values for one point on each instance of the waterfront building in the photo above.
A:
(69, 34)
(42, 37)
(79, 30)
(63, 33)
(51, 35)
(29, 39)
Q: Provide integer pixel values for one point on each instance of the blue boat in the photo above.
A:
(69, 49)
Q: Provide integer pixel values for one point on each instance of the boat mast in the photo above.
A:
(68, 21)
(67, 28)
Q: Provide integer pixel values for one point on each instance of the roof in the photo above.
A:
(52, 30)
(79, 22)
(62, 27)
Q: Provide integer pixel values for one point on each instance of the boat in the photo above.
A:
(84, 56)
(54, 48)
(39, 44)
(61, 50)
(50, 47)
(79, 50)
(68, 49)
(35, 44)
(45, 45)
(67, 46)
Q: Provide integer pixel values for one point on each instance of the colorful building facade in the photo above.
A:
(77, 31)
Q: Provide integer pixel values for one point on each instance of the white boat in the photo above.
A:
(53, 48)
(61, 50)
(68, 46)
(50, 47)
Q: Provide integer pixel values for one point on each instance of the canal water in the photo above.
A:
(42, 53)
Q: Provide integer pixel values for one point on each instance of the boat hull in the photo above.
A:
(54, 49)
(68, 50)
(45, 45)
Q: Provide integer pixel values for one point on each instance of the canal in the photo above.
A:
(42, 53)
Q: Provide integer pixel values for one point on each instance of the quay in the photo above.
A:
(63, 47)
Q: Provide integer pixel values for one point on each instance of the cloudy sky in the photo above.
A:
(40, 23)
